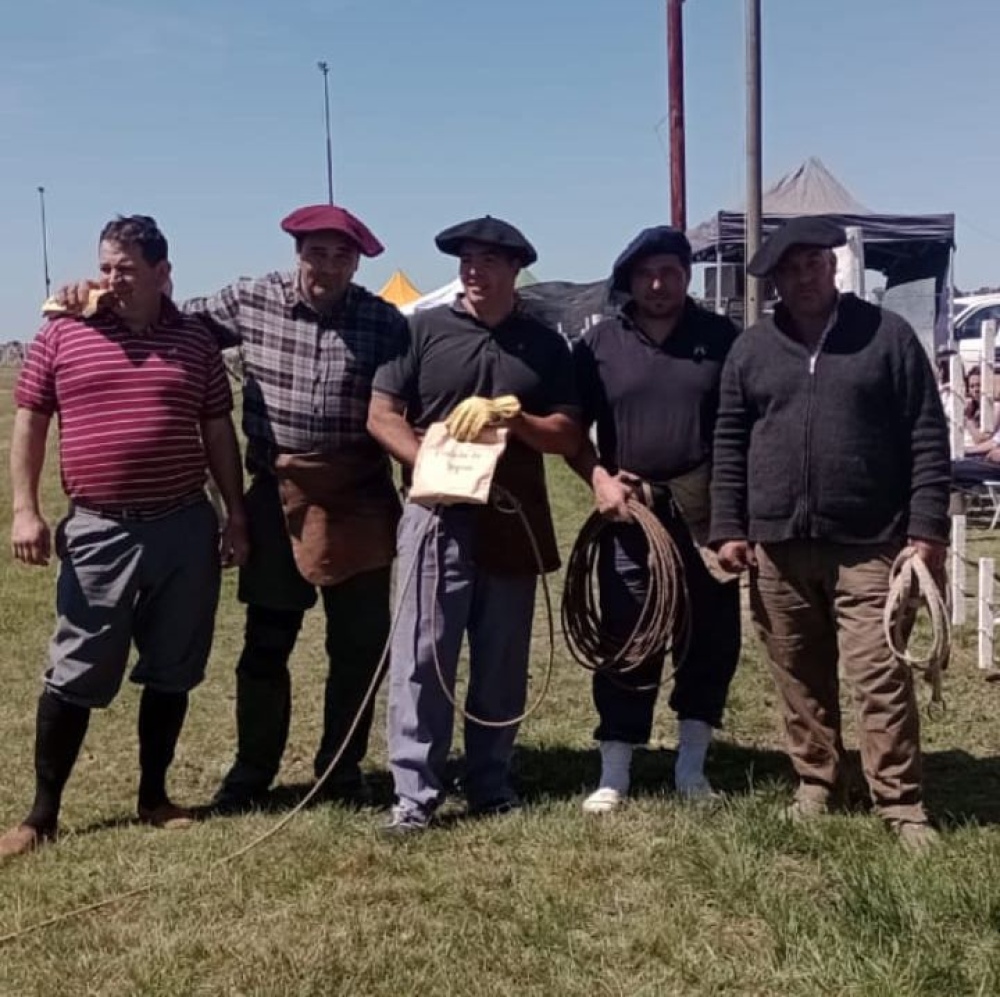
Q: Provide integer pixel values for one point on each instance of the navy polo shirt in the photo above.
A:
(654, 404)
(451, 355)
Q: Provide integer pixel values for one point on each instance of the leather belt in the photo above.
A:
(129, 514)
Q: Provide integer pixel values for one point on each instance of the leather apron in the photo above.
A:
(341, 511)
(502, 545)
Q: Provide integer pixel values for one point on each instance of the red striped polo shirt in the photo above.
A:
(129, 405)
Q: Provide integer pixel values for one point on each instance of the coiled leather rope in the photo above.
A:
(663, 621)
(912, 587)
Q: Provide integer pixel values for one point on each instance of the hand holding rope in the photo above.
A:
(912, 585)
(664, 618)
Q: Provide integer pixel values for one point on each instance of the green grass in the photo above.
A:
(662, 899)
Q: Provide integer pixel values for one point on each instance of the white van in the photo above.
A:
(970, 313)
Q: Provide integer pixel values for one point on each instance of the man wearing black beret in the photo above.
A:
(831, 453)
(649, 380)
(473, 568)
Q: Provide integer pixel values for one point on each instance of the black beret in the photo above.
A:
(488, 230)
(809, 230)
(659, 239)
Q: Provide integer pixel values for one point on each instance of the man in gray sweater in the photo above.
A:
(831, 454)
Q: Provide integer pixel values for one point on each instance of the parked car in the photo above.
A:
(970, 313)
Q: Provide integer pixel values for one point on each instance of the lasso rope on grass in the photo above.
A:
(508, 504)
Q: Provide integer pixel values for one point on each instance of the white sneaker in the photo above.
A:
(603, 801)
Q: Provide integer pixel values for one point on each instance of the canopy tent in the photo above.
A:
(398, 290)
(903, 247)
(571, 308)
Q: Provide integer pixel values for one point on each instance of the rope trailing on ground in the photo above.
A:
(663, 621)
(508, 504)
(912, 587)
(229, 858)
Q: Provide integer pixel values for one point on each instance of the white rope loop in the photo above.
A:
(912, 587)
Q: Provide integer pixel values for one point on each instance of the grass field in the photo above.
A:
(661, 899)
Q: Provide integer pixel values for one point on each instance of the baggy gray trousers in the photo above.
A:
(443, 596)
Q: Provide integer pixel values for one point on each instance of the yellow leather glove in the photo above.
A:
(506, 407)
(52, 306)
(471, 416)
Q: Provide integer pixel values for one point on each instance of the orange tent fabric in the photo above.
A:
(399, 290)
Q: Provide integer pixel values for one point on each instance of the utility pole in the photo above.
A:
(675, 88)
(324, 68)
(752, 228)
(45, 242)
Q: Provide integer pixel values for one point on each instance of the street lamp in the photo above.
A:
(324, 68)
(45, 242)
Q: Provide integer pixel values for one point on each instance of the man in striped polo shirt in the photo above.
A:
(143, 405)
(322, 508)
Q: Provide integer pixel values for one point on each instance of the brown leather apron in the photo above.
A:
(502, 545)
(341, 511)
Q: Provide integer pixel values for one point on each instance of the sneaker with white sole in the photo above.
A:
(404, 822)
(605, 800)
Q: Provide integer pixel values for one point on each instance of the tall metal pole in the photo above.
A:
(753, 217)
(324, 68)
(45, 242)
(675, 86)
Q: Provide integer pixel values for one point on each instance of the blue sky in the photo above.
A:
(208, 114)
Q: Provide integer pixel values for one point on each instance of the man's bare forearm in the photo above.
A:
(223, 454)
(555, 434)
(388, 425)
(585, 461)
(27, 457)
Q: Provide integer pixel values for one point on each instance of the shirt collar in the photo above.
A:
(459, 307)
(783, 320)
(627, 317)
(169, 317)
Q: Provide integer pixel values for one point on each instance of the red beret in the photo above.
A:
(328, 218)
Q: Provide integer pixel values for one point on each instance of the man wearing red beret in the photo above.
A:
(322, 508)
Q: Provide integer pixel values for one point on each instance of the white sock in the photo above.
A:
(616, 762)
(694, 738)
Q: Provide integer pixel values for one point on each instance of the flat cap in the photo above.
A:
(650, 241)
(808, 230)
(488, 230)
(329, 218)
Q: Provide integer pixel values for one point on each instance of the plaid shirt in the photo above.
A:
(306, 377)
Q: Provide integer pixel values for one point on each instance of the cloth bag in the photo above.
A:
(449, 471)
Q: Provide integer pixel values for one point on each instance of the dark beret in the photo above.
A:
(809, 230)
(650, 241)
(328, 218)
(490, 231)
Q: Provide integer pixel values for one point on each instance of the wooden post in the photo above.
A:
(957, 571)
(752, 233)
(987, 623)
(987, 411)
(675, 84)
(956, 414)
